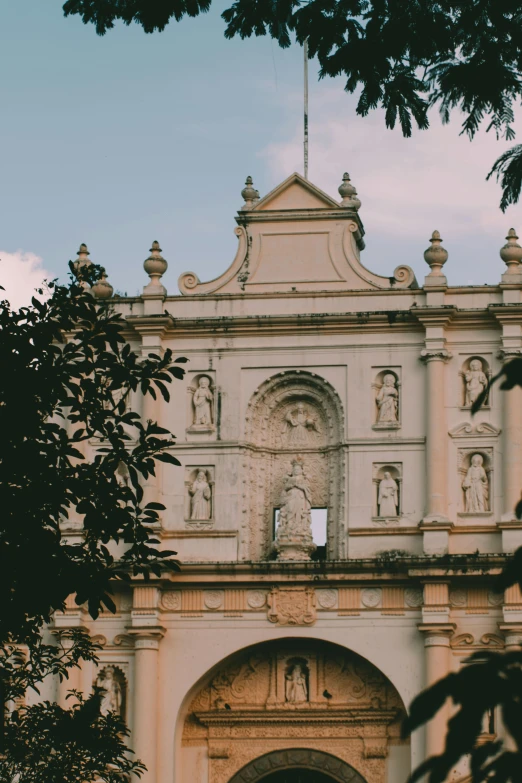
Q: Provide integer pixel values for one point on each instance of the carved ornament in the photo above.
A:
(292, 606)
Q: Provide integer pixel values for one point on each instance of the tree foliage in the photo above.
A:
(403, 56)
(489, 682)
(72, 455)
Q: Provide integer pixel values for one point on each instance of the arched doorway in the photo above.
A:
(298, 766)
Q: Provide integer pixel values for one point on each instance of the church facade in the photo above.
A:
(339, 515)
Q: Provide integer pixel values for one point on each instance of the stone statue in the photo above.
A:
(296, 503)
(112, 696)
(388, 498)
(296, 689)
(203, 400)
(387, 400)
(476, 486)
(200, 507)
(294, 539)
(476, 381)
(300, 428)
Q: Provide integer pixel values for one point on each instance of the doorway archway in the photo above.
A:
(297, 766)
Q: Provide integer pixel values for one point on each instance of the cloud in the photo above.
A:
(20, 274)
(408, 187)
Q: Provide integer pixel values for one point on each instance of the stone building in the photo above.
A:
(339, 514)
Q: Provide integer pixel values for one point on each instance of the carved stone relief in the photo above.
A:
(327, 599)
(371, 597)
(292, 606)
(311, 693)
(292, 415)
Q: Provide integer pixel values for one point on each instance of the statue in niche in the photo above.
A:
(296, 689)
(387, 400)
(300, 427)
(203, 400)
(388, 497)
(112, 697)
(476, 381)
(200, 507)
(476, 486)
(295, 517)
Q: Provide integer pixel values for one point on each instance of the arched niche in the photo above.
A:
(241, 712)
(293, 414)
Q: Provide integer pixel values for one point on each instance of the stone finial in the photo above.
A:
(349, 193)
(83, 258)
(250, 194)
(155, 266)
(511, 253)
(102, 289)
(436, 256)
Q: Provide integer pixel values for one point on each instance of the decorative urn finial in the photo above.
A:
(511, 253)
(102, 289)
(436, 256)
(348, 193)
(155, 266)
(249, 193)
(83, 258)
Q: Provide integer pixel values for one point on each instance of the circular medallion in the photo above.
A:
(256, 599)
(371, 597)
(171, 600)
(413, 597)
(494, 598)
(327, 599)
(213, 599)
(458, 597)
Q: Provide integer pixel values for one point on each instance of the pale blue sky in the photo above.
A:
(120, 140)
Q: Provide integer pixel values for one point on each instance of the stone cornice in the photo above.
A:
(309, 716)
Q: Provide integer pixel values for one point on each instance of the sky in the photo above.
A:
(120, 140)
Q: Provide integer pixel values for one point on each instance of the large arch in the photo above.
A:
(268, 454)
(241, 711)
(262, 769)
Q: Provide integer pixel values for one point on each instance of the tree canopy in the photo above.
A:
(73, 458)
(403, 56)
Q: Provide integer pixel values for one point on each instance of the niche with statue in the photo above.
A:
(475, 468)
(387, 491)
(202, 404)
(386, 400)
(475, 374)
(113, 684)
(199, 496)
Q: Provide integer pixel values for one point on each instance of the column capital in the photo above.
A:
(512, 633)
(437, 634)
(435, 355)
(506, 354)
(147, 638)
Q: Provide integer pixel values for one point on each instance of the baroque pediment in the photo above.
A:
(297, 239)
(468, 430)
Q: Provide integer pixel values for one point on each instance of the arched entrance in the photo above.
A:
(297, 766)
(291, 705)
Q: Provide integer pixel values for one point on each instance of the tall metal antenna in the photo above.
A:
(305, 51)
